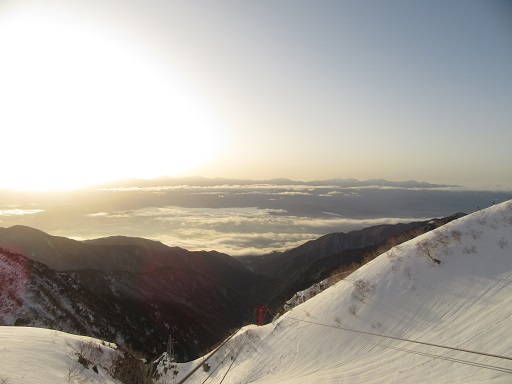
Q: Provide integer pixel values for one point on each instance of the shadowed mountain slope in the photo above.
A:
(299, 268)
(156, 290)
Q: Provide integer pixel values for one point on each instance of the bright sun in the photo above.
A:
(81, 105)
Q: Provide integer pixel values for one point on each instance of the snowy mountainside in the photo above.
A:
(316, 260)
(33, 294)
(43, 356)
(434, 309)
(129, 290)
(306, 294)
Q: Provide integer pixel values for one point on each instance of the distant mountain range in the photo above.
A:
(204, 181)
(139, 292)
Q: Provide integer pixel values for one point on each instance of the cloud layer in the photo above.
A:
(238, 218)
(236, 231)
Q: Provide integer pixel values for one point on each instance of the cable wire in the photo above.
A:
(218, 365)
(209, 357)
(432, 355)
(406, 340)
(233, 362)
(452, 359)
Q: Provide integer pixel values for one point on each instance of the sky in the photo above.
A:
(94, 91)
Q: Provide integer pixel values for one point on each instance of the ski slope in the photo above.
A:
(43, 356)
(403, 317)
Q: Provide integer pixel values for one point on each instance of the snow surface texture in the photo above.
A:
(43, 356)
(450, 287)
(302, 296)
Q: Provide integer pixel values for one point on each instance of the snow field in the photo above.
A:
(43, 356)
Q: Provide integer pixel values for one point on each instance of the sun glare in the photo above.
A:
(82, 105)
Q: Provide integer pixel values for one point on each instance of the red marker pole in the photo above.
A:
(261, 311)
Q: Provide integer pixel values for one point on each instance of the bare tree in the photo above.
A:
(457, 235)
(363, 289)
(353, 309)
(129, 368)
(469, 249)
(75, 373)
(427, 248)
(441, 237)
(408, 272)
(90, 351)
(391, 255)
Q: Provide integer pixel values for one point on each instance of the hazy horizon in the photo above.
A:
(198, 179)
(237, 217)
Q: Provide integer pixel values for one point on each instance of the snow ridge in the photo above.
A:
(449, 287)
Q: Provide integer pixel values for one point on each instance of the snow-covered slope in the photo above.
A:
(42, 356)
(433, 309)
(306, 294)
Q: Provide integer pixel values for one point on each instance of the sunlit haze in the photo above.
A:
(93, 91)
(82, 105)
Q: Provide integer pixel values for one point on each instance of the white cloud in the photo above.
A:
(19, 212)
(248, 219)
(235, 231)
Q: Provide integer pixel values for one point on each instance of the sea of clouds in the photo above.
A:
(232, 217)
